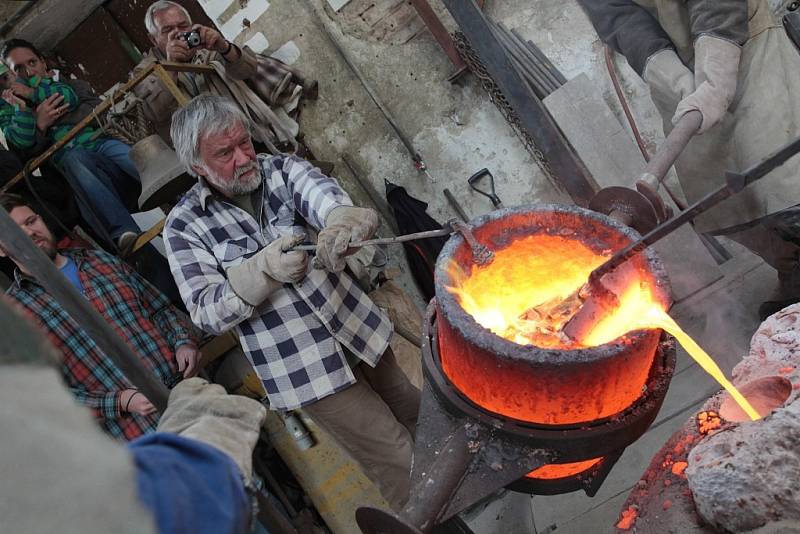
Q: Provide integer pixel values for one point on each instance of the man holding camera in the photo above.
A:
(264, 88)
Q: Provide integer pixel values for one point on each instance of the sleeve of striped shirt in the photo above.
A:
(21, 131)
(205, 290)
(48, 87)
(314, 194)
(169, 321)
(105, 403)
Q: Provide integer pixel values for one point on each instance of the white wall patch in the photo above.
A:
(233, 26)
(336, 5)
(288, 53)
(258, 43)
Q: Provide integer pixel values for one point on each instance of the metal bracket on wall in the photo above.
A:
(442, 36)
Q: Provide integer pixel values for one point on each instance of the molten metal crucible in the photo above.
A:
(505, 396)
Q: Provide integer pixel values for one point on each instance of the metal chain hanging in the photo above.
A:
(496, 96)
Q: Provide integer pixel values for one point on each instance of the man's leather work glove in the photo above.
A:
(206, 412)
(259, 276)
(716, 69)
(344, 225)
(669, 79)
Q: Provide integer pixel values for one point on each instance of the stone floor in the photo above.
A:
(721, 318)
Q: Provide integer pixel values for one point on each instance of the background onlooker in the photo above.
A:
(156, 331)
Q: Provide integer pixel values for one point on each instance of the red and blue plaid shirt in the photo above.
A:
(138, 312)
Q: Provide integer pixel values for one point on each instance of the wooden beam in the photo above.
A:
(171, 86)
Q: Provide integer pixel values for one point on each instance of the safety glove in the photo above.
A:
(344, 225)
(206, 412)
(670, 81)
(716, 69)
(259, 276)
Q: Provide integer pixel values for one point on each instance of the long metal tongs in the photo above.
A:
(480, 253)
(593, 291)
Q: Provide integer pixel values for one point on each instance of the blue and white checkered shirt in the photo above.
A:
(295, 338)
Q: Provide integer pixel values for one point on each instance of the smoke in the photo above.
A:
(721, 320)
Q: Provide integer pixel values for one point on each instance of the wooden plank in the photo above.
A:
(608, 150)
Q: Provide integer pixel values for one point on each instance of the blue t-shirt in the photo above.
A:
(70, 270)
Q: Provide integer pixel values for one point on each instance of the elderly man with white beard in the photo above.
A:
(315, 338)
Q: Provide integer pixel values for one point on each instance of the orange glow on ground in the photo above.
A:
(556, 471)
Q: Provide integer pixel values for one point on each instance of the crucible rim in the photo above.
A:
(478, 335)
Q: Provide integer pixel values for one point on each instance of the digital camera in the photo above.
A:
(192, 38)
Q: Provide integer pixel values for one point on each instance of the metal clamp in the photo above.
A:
(480, 253)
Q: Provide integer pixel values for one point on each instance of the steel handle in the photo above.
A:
(673, 146)
(491, 195)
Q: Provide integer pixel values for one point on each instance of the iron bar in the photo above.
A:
(42, 268)
(455, 205)
(439, 32)
(735, 182)
(533, 117)
(522, 46)
(419, 163)
(389, 240)
(544, 61)
(536, 82)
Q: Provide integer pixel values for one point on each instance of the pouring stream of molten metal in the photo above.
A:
(520, 297)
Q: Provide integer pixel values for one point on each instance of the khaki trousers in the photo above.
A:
(374, 420)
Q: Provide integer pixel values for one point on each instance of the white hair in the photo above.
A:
(156, 7)
(204, 115)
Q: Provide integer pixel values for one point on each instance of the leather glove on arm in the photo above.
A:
(206, 412)
(670, 81)
(259, 276)
(345, 224)
(716, 69)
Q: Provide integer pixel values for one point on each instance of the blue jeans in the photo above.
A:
(103, 179)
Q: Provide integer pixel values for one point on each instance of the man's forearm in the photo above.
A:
(242, 66)
(628, 28)
(106, 403)
(724, 19)
(315, 195)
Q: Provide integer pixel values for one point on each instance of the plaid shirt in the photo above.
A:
(138, 312)
(295, 338)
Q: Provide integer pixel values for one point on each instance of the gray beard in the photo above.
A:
(236, 187)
